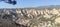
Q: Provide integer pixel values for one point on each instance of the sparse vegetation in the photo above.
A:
(34, 16)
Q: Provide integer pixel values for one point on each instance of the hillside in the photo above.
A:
(30, 17)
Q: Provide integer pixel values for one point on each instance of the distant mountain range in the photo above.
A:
(41, 7)
(50, 6)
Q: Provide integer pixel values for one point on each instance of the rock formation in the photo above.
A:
(29, 17)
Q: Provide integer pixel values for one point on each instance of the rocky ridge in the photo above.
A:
(28, 17)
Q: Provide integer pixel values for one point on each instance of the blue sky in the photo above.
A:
(7, 5)
(36, 3)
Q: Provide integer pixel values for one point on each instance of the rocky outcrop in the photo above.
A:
(27, 17)
(30, 14)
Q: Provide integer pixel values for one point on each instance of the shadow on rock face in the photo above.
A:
(19, 25)
(7, 23)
